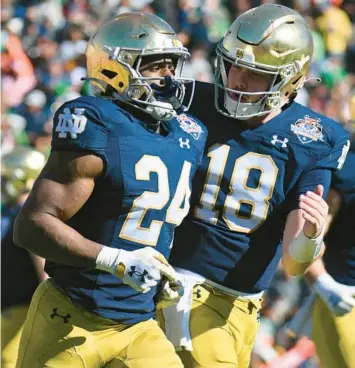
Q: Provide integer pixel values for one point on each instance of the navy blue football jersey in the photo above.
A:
(139, 200)
(247, 184)
(339, 257)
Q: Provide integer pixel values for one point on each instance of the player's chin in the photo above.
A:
(235, 97)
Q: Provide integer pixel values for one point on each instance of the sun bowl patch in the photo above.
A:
(308, 129)
(189, 125)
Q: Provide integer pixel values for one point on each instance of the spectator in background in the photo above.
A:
(198, 67)
(35, 111)
(12, 132)
(334, 25)
(319, 52)
(48, 29)
(193, 30)
(21, 271)
(216, 19)
(74, 43)
(43, 53)
(16, 68)
(58, 78)
(38, 116)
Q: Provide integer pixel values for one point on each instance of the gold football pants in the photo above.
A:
(222, 328)
(334, 337)
(12, 320)
(58, 333)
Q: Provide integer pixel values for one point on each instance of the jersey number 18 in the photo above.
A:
(256, 198)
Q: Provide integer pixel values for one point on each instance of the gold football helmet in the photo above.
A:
(114, 56)
(19, 170)
(271, 39)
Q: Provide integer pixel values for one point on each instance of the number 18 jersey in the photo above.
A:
(247, 184)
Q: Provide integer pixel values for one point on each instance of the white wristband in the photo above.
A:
(303, 249)
(108, 259)
(323, 281)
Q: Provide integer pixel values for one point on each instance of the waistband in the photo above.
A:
(202, 280)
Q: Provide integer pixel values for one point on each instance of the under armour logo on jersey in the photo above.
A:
(184, 144)
(142, 275)
(275, 139)
(72, 123)
(56, 314)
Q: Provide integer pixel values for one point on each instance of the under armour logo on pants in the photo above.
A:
(56, 314)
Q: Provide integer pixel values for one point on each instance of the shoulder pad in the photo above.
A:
(334, 135)
(328, 130)
(81, 124)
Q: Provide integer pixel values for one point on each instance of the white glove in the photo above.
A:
(339, 298)
(169, 294)
(142, 269)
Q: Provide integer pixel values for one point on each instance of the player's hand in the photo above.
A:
(339, 298)
(168, 93)
(314, 211)
(143, 269)
(169, 293)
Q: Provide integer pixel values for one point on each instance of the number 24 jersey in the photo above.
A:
(138, 201)
(247, 184)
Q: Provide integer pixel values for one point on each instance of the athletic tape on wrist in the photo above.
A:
(303, 249)
(107, 259)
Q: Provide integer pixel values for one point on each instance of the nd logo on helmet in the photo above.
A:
(176, 43)
(239, 54)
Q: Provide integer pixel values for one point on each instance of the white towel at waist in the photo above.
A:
(177, 317)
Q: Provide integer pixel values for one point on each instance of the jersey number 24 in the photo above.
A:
(179, 206)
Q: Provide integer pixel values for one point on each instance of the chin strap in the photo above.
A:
(168, 93)
(236, 108)
(164, 103)
(161, 111)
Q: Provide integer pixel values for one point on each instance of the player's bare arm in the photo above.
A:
(339, 298)
(314, 271)
(317, 268)
(303, 235)
(334, 202)
(331, 279)
(63, 187)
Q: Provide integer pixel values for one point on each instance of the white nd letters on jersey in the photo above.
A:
(72, 123)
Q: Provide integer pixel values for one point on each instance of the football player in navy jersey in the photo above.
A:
(257, 198)
(333, 278)
(104, 209)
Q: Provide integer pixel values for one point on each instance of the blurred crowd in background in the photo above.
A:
(43, 64)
